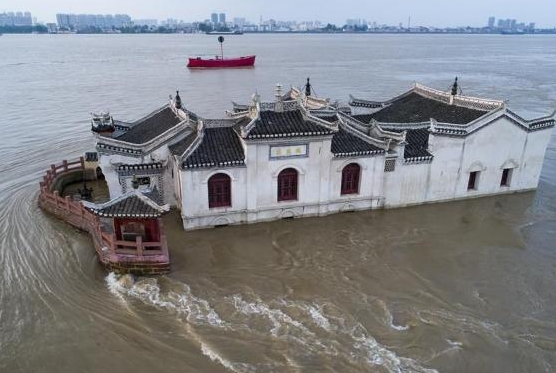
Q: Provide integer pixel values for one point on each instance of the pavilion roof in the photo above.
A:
(134, 203)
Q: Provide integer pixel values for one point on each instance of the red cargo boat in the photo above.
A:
(220, 61)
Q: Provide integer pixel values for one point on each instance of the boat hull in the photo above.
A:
(199, 62)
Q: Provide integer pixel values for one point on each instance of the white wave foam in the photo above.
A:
(454, 343)
(116, 287)
(390, 317)
(277, 317)
(195, 309)
(390, 320)
(319, 318)
(360, 344)
(377, 354)
(217, 358)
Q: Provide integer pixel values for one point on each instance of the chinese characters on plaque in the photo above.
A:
(288, 151)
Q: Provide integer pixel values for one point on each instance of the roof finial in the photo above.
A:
(308, 88)
(177, 101)
(255, 98)
(278, 93)
(455, 87)
(134, 182)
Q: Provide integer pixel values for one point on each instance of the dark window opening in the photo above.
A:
(144, 180)
(472, 183)
(506, 177)
(220, 191)
(131, 230)
(128, 229)
(350, 179)
(100, 175)
(287, 185)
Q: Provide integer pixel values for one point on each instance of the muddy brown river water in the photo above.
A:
(455, 287)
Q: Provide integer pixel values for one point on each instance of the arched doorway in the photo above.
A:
(220, 190)
(350, 179)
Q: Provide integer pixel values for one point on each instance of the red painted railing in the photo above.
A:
(107, 246)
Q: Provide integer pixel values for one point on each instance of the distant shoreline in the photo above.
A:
(385, 32)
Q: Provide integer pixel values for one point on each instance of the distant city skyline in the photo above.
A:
(423, 13)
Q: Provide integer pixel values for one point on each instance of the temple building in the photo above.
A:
(301, 155)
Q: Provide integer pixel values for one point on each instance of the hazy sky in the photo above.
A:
(423, 12)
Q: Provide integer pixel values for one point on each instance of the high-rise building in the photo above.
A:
(109, 20)
(353, 22)
(121, 20)
(222, 18)
(63, 20)
(239, 22)
(146, 22)
(214, 18)
(82, 21)
(513, 24)
(491, 21)
(16, 19)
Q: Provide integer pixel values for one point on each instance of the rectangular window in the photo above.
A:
(506, 177)
(473, 180)
(390, 165)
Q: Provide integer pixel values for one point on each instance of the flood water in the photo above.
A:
(455, 287)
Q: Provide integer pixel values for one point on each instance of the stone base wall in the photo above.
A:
(286, 211)
(139, 269)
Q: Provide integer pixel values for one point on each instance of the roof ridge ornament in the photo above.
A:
(455, 87)
(102, 122)
(454, 91)
(177, 100)
(308, 88)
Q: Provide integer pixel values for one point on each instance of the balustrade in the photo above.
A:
(74, 213)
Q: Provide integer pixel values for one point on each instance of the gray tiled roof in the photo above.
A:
(346, 144)
(329, 117)
(285, 124)
(181, 146)
(151, 126)
(417, 142)
(132, 204)
(220, 147)
(413, 108)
